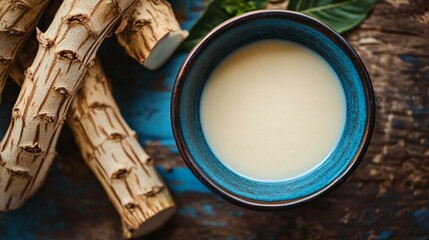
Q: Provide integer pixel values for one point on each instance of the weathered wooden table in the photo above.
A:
(387, 197)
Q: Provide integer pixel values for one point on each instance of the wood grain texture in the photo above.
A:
(386, 198)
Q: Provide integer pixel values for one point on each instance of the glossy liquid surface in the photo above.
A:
(272, 110)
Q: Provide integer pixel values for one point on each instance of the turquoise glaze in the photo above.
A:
(272, 25)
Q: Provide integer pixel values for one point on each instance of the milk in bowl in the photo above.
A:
(272, 110)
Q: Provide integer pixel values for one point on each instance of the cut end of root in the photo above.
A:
(152, 224)
(163, 50)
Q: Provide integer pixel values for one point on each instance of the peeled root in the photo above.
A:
(163, 50)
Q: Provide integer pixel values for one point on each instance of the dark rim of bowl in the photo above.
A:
(225, 26)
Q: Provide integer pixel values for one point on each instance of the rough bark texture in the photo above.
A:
(66, 50)
(17, 20)
(112, 151)
(152, 33)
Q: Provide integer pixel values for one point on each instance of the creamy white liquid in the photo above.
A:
(272, 110)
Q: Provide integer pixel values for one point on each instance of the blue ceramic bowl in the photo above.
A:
(234, 33)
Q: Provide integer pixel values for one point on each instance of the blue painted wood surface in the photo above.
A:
(386, 198)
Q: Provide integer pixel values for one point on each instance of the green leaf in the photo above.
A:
(217, 12)
(237, 7)
(341, 15)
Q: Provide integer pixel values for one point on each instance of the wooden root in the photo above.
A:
(108, 145)
(66, 49)
(112, 151)
(17, 20)
(152, 33)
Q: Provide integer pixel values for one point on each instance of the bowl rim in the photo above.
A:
(220, 29)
